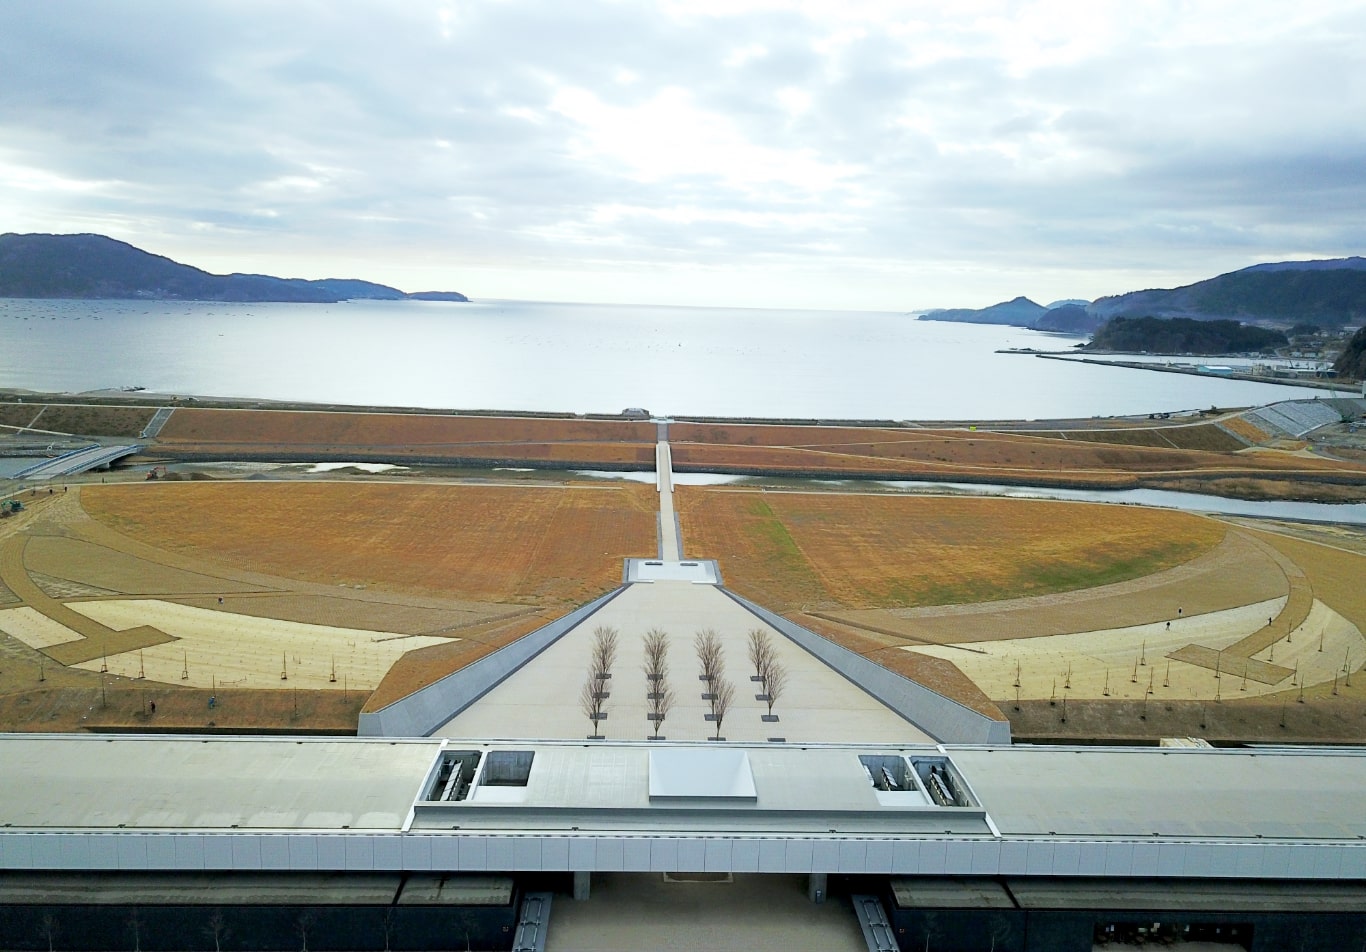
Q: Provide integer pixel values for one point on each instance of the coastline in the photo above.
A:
(1315, 383)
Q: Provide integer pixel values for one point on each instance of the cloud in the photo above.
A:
(875, 154)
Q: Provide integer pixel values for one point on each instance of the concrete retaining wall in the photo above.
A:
(942, 718)
(422, 712)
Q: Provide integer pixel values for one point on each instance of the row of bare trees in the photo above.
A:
(658, 693)
(593, 697)
(768, 670)
(711, 659)
(719, 692)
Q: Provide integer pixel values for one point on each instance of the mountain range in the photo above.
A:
(94, 266)
(1330, 292)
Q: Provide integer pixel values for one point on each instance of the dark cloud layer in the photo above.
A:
(868, 154)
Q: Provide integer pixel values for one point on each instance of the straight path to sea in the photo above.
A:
(516, 355)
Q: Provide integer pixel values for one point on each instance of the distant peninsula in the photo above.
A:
(1330, 293)
(1070, 317)
(95, 266)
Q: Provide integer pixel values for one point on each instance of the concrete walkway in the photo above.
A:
(541, 700)
(670, 546)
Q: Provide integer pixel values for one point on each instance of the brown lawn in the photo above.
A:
(391, 429)
(1246, 429)
(536, 545)
(80, 419)
(1063, 458)
(1200, 436)
(789, 550)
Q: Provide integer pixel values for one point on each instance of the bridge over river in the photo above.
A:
(99, 456)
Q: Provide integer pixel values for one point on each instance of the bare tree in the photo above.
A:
(388, 928)
(592, 701)
(135, 927)
(604, 651)
(216, 928)
(723, 696)
(709, 660)
(656, 655)
(656, 667)
(303, 924)
(661, 701)
(49, 924)
(775, 679)
(760, 653)
(593, 696)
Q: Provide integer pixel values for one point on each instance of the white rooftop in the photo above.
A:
(79, 802)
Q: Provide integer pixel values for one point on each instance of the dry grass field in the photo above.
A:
(79, 419)
(1246, 429)
(1063, 458)
(539, 545)
(1058, 604)
(1201, 457)
(185, 590)
(1196, 436)
(407, 431)
(173, 592)
(835, 550)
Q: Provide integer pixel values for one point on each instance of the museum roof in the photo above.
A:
(97, 783)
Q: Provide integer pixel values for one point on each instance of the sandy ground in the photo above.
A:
(627, 912)
(542, 698)
(34, 629)
(224, 649)
(1125, 662)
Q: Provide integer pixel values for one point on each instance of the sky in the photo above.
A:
(746, 153)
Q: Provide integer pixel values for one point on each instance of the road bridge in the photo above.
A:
(99, 456)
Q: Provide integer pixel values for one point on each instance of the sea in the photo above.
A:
(585, 358)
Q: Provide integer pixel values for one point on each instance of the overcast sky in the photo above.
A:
(826, 153)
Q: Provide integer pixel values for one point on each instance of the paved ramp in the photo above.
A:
(154, 425)
(670, 547)
(877, 931)
(533, 923)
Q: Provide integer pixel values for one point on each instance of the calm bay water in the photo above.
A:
(515, 355)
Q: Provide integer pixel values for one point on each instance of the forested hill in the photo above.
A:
(1330, 293)
(93, 266)
(1181, 335)
(1351, 362)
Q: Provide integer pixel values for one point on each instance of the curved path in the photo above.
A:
(96, 640)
